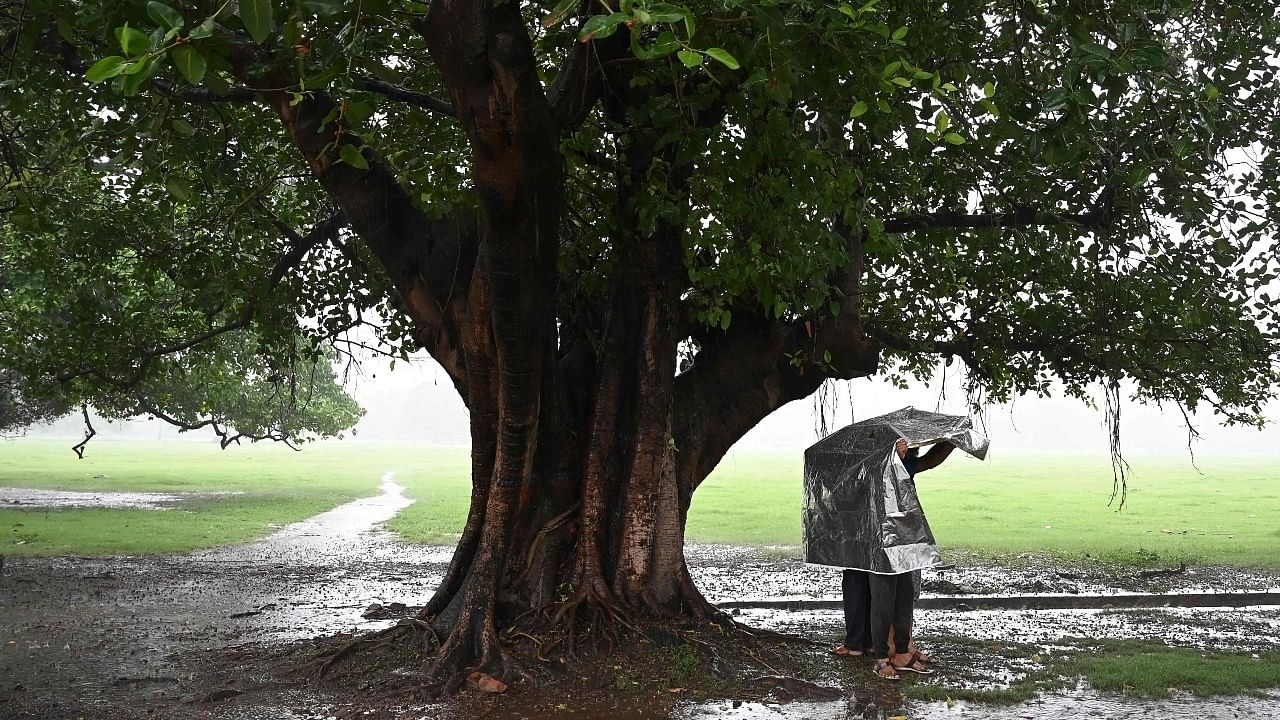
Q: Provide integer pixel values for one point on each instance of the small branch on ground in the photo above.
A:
(1180, 570)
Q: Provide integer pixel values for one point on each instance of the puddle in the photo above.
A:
(733, 574)
(1251, 629)
(32, 497)
(1081, 704)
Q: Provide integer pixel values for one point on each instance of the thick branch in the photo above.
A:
(429, 262)
(405, 95)
(582, 79)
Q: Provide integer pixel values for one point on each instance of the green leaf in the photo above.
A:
(561, 11)
(690, 58)
(725, 318)
(848, 10)
(351, 155)
(724, 57)
(203, 30)
(942, 121)
(358, 111)
(883, 106)
(989, 90)
(257, 18)
(133, 42)
(900, 33)
(859, 108)
(182, 127)
(190, 63)
(105, 69)
(954, 138)
(178, 188)
(601, 26)
(1096, 49)
(164, 15)
(901, 82)
(664, 45)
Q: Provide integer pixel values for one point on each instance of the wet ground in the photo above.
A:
(34, 497)
(135, 637)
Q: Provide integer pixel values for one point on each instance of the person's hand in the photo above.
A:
(901, 447)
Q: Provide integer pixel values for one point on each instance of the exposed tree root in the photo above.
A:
(379, 639)
(798, 686)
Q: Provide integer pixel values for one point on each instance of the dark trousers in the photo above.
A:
(892, 605)
(857, 610)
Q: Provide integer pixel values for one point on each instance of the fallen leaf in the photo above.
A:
(486, 683)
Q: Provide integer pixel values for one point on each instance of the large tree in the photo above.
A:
(629, 232)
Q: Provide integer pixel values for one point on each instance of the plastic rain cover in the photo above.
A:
(860, 506)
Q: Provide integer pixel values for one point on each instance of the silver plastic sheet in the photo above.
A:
(860, 505)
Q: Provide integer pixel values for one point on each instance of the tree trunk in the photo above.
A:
(586, 445)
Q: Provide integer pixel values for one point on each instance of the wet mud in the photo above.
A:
(189, 636)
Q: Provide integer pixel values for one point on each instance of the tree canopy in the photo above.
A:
(1080, 191)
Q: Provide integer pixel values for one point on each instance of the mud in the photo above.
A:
(128, 637)
(32, 497)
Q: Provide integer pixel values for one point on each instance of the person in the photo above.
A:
(879, 609)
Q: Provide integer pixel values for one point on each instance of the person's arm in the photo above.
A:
(935, 456)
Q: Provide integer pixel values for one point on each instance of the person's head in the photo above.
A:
(902, 448)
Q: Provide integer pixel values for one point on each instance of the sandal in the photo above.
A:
(843, 651)
(914, 666)
(881, 666)
(921, 655)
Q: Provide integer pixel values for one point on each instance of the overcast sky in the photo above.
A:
(416, 403)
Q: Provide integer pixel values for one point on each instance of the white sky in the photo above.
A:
(417, 403)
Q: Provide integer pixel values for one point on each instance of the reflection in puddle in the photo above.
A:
(34, 497)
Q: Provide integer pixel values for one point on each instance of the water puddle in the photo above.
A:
(1081, 703)
(36, 498)
(735, 574)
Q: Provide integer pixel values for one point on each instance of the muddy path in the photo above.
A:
(130, 637)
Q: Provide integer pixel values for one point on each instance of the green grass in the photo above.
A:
(1141, 668)
(1014, 504)
(279, 486)
(1009, 505)
(1150, 670)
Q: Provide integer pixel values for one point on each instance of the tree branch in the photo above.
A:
(300, 245)
(1015, 219)
(1100, 217)
(405, 95)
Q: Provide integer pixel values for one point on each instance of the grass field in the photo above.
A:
(1009, 505)
(278, 486)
